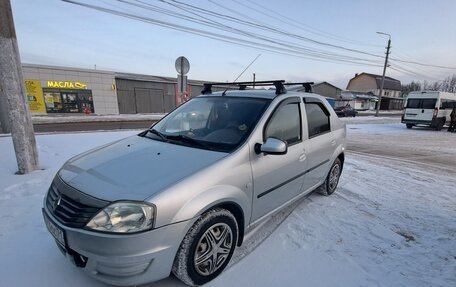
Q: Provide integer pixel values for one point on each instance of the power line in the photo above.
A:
(224, 38)
(300, 25)
(404, 70)
(258, 36)
(423, 64)
(276, 30)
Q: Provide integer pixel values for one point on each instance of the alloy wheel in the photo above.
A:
(213, 249)
(334, 177)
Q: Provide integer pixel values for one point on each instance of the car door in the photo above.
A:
(278, 178)
(321, 143)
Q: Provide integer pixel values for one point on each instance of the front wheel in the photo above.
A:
(332, 179)
(409, 126)
(207, 248)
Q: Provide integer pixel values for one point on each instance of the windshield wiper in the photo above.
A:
(157, 133)
(189, 140)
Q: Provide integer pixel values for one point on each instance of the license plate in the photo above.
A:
(58, 233)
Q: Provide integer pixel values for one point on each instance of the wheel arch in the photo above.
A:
(238, 213)
(341, 157)
(231, 198)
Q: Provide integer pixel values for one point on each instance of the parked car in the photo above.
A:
(180, 196)
(345, 111)
(429, 108)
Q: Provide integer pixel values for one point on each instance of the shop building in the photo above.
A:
(151, 94)
(62, 90)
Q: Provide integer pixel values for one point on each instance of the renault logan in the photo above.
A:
(180, 196)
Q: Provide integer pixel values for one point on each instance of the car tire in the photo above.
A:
(409, 126)
(332, 179)
(216, 228)
(440, 125)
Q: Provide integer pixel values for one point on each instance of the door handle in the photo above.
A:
(333, 142)
(303, 156)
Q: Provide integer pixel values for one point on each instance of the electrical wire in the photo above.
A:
(215, 36)
(300, 25)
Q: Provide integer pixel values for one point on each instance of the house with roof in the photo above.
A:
(358, 100)
(370, 83)
(327, 90)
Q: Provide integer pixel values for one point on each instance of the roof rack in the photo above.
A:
(307, 86)
(279, 85)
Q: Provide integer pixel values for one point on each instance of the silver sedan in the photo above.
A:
(180, 196)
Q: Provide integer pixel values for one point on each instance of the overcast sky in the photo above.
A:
(53, 32)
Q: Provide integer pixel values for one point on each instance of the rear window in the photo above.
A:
(428, 103)
(421, 103)
(413, 103)
(317, 119)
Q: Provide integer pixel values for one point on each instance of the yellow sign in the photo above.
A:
(66, 85)
(35, 96)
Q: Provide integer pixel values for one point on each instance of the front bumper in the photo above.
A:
(124, 259)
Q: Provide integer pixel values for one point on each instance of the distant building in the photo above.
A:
(358, 100)
(391, 95)
(326, 89)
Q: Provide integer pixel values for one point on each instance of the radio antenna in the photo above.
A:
(251, 63)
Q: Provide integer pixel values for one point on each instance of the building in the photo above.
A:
(391, 95)
(358, 100)
(64, 90)
(327, 90)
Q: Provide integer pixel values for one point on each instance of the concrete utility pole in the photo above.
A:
(12, 92)
(384, 70)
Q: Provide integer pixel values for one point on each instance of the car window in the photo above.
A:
(285, 124)
(428, 103)
(190, 119)
(447, 104)
(421, 103)
(413, 103)
(216, 123)
(317, 119)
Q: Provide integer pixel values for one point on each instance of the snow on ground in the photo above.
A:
(390, 223)
(370, 119)
(422, 144)
(386, 225)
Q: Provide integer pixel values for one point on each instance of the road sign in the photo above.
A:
(182, 65)
(181, 83)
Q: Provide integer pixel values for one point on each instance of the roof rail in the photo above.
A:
(279, 85)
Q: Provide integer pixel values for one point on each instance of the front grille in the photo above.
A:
(68, 211)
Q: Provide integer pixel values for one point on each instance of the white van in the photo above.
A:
(430, 108)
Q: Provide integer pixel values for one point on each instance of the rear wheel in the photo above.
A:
(439, 125)
(207, 248)
(332, 179)
(409, 126)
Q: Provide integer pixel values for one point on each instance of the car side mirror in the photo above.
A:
(274, 146)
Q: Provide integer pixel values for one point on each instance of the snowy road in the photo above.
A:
(419, 145)
(390, 223)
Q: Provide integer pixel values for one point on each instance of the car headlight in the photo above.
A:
(123, 217)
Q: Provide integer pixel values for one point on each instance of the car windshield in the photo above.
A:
(216, 123)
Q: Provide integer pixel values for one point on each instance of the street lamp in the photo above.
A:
(384, 70)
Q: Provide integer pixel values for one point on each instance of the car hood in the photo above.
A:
(134, 168)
